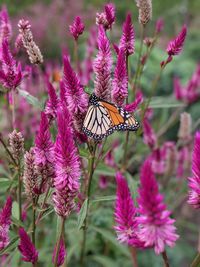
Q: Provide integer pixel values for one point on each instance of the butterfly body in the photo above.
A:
(103, 118)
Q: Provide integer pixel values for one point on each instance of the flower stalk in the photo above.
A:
(165, 259)
(60, 235)
(196, 261)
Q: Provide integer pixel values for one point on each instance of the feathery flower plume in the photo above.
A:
(61, 254)
(32, 49)
(5, 25)
(120, 81)
(10, 72)
(125, 214)
(149, 135)
(26, 247)
(76, 98)
(128, 36)
(134, 105)
(67, 166)
(52, 102)
(176, 46)
(44, 152)
(102, 67)
(16, 141)
(194, 181)
(5, 222)
(183, 161)
(145, 11)
(185, 127)
(77, 27)
(156, 227)
(30, 178)
(106, 18)
(159, 25)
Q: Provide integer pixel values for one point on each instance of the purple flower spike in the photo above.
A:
(159, 25)
(132, 107)
(176, 46)
(67, 167)
(194, 181)
(77, 28)
(102, 67)
(106, 18)
(156, 227)
(128, 36)
(52, 103)
(149, 135)
(125, 214)
(26, 247)
(61, 254)
(5, 222)
(5, 25)
(120, 81)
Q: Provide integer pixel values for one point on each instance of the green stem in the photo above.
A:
(91, 172)
(33, 224)
(165, 259)
(60, 234)
(43, 205)
(76, 54)
(196, 261)
(19, 193)
(13, 109)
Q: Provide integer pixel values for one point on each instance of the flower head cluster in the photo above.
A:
(5, 25)
(77, 28)
(102, 67)
(176, 46)
(67, 166)
(32, 49)
(106, 18)
(194, 181)
(156, 227)
(16, 142)
(61, 254)
(5, 222)
(145, 11)
(10, 71)
(52, 102)
(185, 128)
(26, 247)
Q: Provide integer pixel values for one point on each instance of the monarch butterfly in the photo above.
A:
(103, 118)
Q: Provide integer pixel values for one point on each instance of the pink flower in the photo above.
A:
(148, 134)
(159, 25)
(194, 181)
(103, 182)
(183, 161)
(77, 28)
(106, 18)
(102, 67)
(128, 36)
(156, 227)
(132, 107)
(125, 214)
(52, 103)
(178, 90)
(10, 72)
(26, 247)
(76, 98)
(61, 254)
(67, 166)
(5, 222)
(120, 81)
(5, 25)
(175, 46)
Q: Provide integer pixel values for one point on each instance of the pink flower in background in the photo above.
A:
(179, 92)
(5, 222)
(102, 67)
(176, 46)
(52, 102)
(67, 166)
(103, 181)
(158, 161)
(156, 227)
(159, 25)
(194, 180)
(61, 254)
(125, 214)
(77, 27)
(5, 25)
(184, 161)
(26, 247)
(120, 81)
(128, 36)
(148, 134)
(106, 18)
(10, 71)
(132, 107)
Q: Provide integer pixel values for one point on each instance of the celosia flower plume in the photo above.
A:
(135, 104)
(106, 18)
(175, 46)
(61, 254)
(77, 27)
(5, 25)
(156, 227)
(5, 222)
(145, 11)
(149, 135)
(52, 102)
(16, 141)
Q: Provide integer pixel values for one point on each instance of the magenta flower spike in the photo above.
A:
(26, 247)
(159, 25)
(67, 166)
(77, 28)
(102, 67)
(106, 18)
(128, 36)
(194, 181)
(5, 222)
(125, 214)
(5, 25)
(148, 134)
(52, 102)
(156, 227)
(176, 46)
(132, 107)
(61, 253)
(76, 97)
(120, 81)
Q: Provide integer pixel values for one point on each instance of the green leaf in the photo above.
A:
(103, 169)
(5, 182)
(104, 261)
(165, 102)
(15, 210)
(17, 222)
(82, 214)
(10, 246)
(84, 153)
(104, 198)
(31, 99)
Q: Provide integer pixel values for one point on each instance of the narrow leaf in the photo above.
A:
(82, 214)
(104, 198)
(31, 99)
(10, 246)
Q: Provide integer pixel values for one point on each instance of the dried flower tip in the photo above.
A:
(145, 11)
(77, 27)
(185, 128)
(148, 41)
(16, 141)
(176, 46)
(106, 18)
(32, 49)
